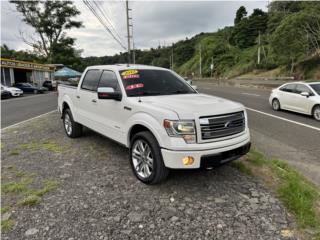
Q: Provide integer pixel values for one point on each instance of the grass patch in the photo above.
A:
(48, 187)
(14, 153)
(241, 167)
(7, 225)
(30, 200)
(17, 187)
(50, 146)
(5, 209)
(298, 195)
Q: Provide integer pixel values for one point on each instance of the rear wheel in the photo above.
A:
(276, 104)
(146, 159)
(72, 128)
(316, 112)
(35, 91)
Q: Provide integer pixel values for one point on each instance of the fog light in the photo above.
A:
(188, 160)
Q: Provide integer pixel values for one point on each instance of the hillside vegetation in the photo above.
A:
(287, 38)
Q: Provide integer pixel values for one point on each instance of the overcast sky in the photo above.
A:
(154, 21)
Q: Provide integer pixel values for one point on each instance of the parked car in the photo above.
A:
(14, 92)
(298, 97)
(30, 88)
(152, 111)
(190, 83)
(4, 93)
(48, 85)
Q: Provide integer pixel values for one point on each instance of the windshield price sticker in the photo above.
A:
(134, 86)
(131, 76)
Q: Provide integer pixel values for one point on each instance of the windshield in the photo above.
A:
(144, 82)
(316, 87)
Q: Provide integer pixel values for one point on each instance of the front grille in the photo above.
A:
(222, 125)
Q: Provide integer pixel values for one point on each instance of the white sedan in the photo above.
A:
(298, 97)
(15, 92)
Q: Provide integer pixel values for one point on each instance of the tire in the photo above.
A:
(35, 91)
(316, 112)
(276, 105)
(72, 128)
(150, 172)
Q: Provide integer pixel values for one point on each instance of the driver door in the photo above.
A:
(303, 104)
(110, 114)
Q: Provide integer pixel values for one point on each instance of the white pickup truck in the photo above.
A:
(164, 122)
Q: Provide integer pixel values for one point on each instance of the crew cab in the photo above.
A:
(164, 122)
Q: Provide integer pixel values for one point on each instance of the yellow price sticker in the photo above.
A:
(129, 72)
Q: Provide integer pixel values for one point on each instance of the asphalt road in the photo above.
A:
(296, 140)
(15, 110)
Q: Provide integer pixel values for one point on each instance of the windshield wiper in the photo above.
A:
(180, 92)
(147, 93)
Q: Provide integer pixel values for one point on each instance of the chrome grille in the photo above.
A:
(222, 125)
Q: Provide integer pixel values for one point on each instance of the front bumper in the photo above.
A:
(16, 94)
(205, 158)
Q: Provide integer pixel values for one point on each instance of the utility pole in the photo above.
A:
(200, 65)
(259, 47)
(128, 31)
(133, 46)
(211, 66)
(172, 56)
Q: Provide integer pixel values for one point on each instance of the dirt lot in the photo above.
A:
(96, 196)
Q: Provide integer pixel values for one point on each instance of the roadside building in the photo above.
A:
(13, 71)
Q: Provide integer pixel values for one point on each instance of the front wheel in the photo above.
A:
(72, 128)
(146, 159)
(275, 104)
(316, 113)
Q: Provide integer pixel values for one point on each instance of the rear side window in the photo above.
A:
(302, 88)
(109, 79)
(289, 88)
(91, 80)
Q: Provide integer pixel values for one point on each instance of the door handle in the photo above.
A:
(78, 96)
(93, 100)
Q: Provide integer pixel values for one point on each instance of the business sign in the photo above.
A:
(25, 65)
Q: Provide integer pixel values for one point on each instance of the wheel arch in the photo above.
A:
(313, 108)
(143, 122)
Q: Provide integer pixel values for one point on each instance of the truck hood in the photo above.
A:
(190, 106)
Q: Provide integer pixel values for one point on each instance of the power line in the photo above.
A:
(107, 18)
(91, 8)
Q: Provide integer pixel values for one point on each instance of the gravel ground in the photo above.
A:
(99, 198)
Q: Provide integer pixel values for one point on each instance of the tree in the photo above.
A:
(50, 20)
(241, 13)
(247, 30)
(289, 41)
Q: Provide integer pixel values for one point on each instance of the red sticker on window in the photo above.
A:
(134, 86)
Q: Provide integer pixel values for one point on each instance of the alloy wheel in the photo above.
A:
(142, 158)
(67, 124)
(316, 113)
(276, 104)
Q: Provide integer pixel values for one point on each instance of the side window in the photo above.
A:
(302, 88)
(91, 79)
(109, 79)
(289, 88)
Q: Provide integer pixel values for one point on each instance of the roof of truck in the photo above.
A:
(119, 67)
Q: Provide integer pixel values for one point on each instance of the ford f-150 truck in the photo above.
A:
(154, 112)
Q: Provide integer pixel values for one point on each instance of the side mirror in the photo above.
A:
(109, 93)
(305, 94)
(194, 87)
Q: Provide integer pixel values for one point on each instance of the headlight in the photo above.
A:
(184, 129)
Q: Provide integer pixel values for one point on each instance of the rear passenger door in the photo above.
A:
(86, 98)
